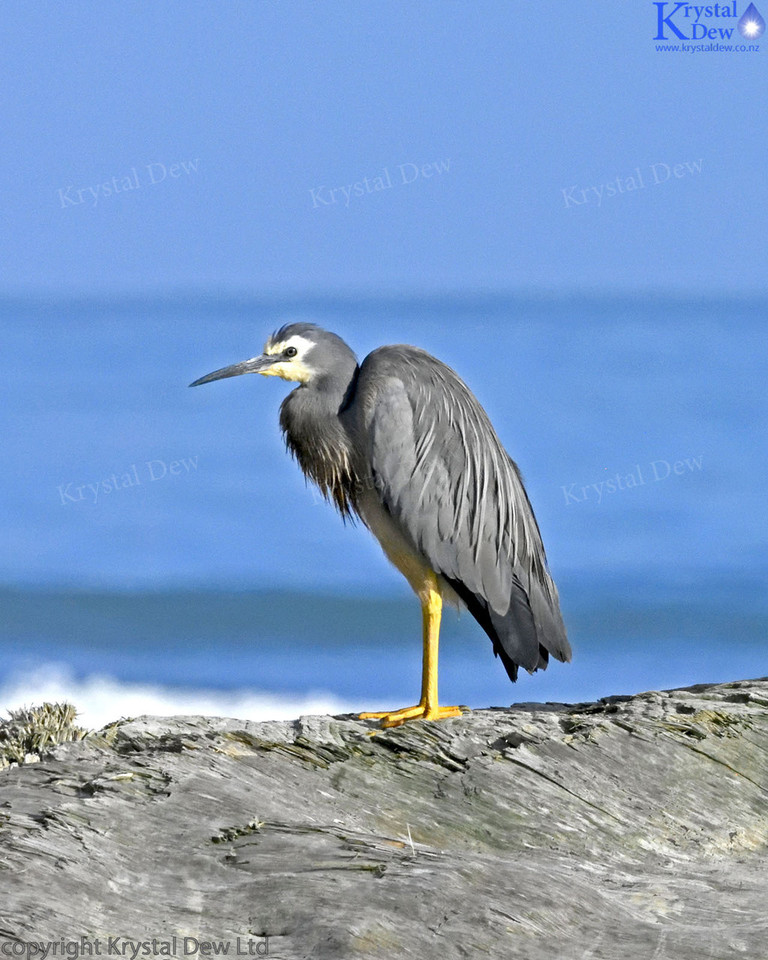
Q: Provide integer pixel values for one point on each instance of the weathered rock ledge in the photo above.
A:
(627, 828)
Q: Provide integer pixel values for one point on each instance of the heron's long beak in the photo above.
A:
(254, 365)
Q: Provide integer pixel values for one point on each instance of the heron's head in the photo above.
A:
(300, 352)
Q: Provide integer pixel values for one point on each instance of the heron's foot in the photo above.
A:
(419, 712)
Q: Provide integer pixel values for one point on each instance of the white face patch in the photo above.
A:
(301, 344)
(293, 368)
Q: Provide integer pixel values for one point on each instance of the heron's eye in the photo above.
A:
(290, 352)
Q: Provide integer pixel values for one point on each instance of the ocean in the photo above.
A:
(164, 555)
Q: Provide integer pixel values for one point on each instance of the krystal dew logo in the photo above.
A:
(688, 21)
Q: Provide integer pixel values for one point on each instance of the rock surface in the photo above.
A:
(627, 828)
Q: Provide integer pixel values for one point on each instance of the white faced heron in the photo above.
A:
(401, 442)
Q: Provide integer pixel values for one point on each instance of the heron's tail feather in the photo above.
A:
(530, 630)
(549, 621)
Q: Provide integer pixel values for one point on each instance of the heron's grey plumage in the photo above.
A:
(443, 474)
(401, 442)
(309, 418)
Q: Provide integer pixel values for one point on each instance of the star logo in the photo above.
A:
(751, 26)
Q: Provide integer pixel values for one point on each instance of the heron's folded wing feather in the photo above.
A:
(443, 474)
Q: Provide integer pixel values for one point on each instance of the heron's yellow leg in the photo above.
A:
(427, 708)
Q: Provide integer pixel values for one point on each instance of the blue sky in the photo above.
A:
(532, 111)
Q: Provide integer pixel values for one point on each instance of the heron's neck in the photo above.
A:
(315, 435)
(332, 392)
(309, 415)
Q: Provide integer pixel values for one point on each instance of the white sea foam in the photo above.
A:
(101, 699)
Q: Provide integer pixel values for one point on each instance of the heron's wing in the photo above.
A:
(444, 476)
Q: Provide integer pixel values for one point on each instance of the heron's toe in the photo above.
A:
(443, 713)
(395, 718)
(400, 716)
